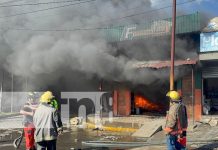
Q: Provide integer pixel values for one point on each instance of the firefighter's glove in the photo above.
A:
(60, 131)
(166, 133)
(180, 136)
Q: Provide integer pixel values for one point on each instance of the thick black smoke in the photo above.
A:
(70, 58)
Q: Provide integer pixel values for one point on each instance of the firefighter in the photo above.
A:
(176, 122)
(54, 103)
(27, 111)
(46, 121)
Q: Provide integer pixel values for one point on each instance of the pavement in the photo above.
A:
(11, 122)
(6, 115)
(203, 137)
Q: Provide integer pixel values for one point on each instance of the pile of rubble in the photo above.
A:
(211, 120)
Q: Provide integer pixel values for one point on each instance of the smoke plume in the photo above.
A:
(49, 56)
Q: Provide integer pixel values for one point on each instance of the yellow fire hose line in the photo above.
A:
(114, 129)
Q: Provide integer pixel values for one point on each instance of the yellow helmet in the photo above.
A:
(174, 95)
(46, 97)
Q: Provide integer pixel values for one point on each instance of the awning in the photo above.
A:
(163, 64)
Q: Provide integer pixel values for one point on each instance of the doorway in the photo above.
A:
(210, 96)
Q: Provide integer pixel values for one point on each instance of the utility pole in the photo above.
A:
(173, 45)
(26, 84)
(12, 92)
(1, 94)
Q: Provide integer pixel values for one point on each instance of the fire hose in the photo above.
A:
(18, 140)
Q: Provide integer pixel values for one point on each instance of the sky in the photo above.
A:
(207, 6)
(204, 6)
(38, 19)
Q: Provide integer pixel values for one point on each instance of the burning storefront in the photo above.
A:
(150, 53)
(151, 99)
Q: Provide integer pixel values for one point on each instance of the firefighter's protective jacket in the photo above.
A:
(176, 119)
(46, 123)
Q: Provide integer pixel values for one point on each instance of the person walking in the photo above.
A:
(176, 122)
(46, 121)
(27, 111)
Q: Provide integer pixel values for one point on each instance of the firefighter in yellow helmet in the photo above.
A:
(46, 97)
(46, 121)
(176, 122)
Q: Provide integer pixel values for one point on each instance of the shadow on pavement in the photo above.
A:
(211, 146)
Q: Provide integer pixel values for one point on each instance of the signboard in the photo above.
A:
(155, 28)
(209, 42)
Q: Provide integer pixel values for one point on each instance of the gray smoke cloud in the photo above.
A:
(50, 58)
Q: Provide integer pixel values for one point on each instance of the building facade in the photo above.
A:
(199, 87)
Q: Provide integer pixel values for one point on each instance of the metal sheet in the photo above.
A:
(162, 64)
(210, 72)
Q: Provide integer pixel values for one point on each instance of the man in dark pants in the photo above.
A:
(46, 121)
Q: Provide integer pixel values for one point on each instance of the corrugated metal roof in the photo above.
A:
(184, 24)
(163, 64)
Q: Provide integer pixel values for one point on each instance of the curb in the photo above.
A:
(10, 115)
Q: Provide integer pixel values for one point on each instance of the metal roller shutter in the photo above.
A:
(210, 72)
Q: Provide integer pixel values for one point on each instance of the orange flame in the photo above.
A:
(144, 103)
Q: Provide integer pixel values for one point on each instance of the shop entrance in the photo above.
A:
(210, 96)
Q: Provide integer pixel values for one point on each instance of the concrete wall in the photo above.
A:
(122, 102)
(198, 96)
(187, 95)
(184, 87)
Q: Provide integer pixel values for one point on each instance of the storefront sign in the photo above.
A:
(209, 42)
(154, 29)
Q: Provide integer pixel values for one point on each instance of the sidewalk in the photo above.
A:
(11, 121)
(6, 115)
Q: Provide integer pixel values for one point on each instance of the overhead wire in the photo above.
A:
(50, 8)
(51, 3)
(126, 10)
(41, 3)
(145, 12)
(99, 28)
(12, 1)
(103, 16)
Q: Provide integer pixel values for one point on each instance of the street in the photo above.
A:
(201, 138)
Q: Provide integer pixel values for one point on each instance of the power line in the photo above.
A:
(144, 12)
(98, 28)
(89, 9)
(44, 3)
(49, 3)
(60, 30)
(12, 1)
(122, 10)
(50, 8)
(69, 30)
